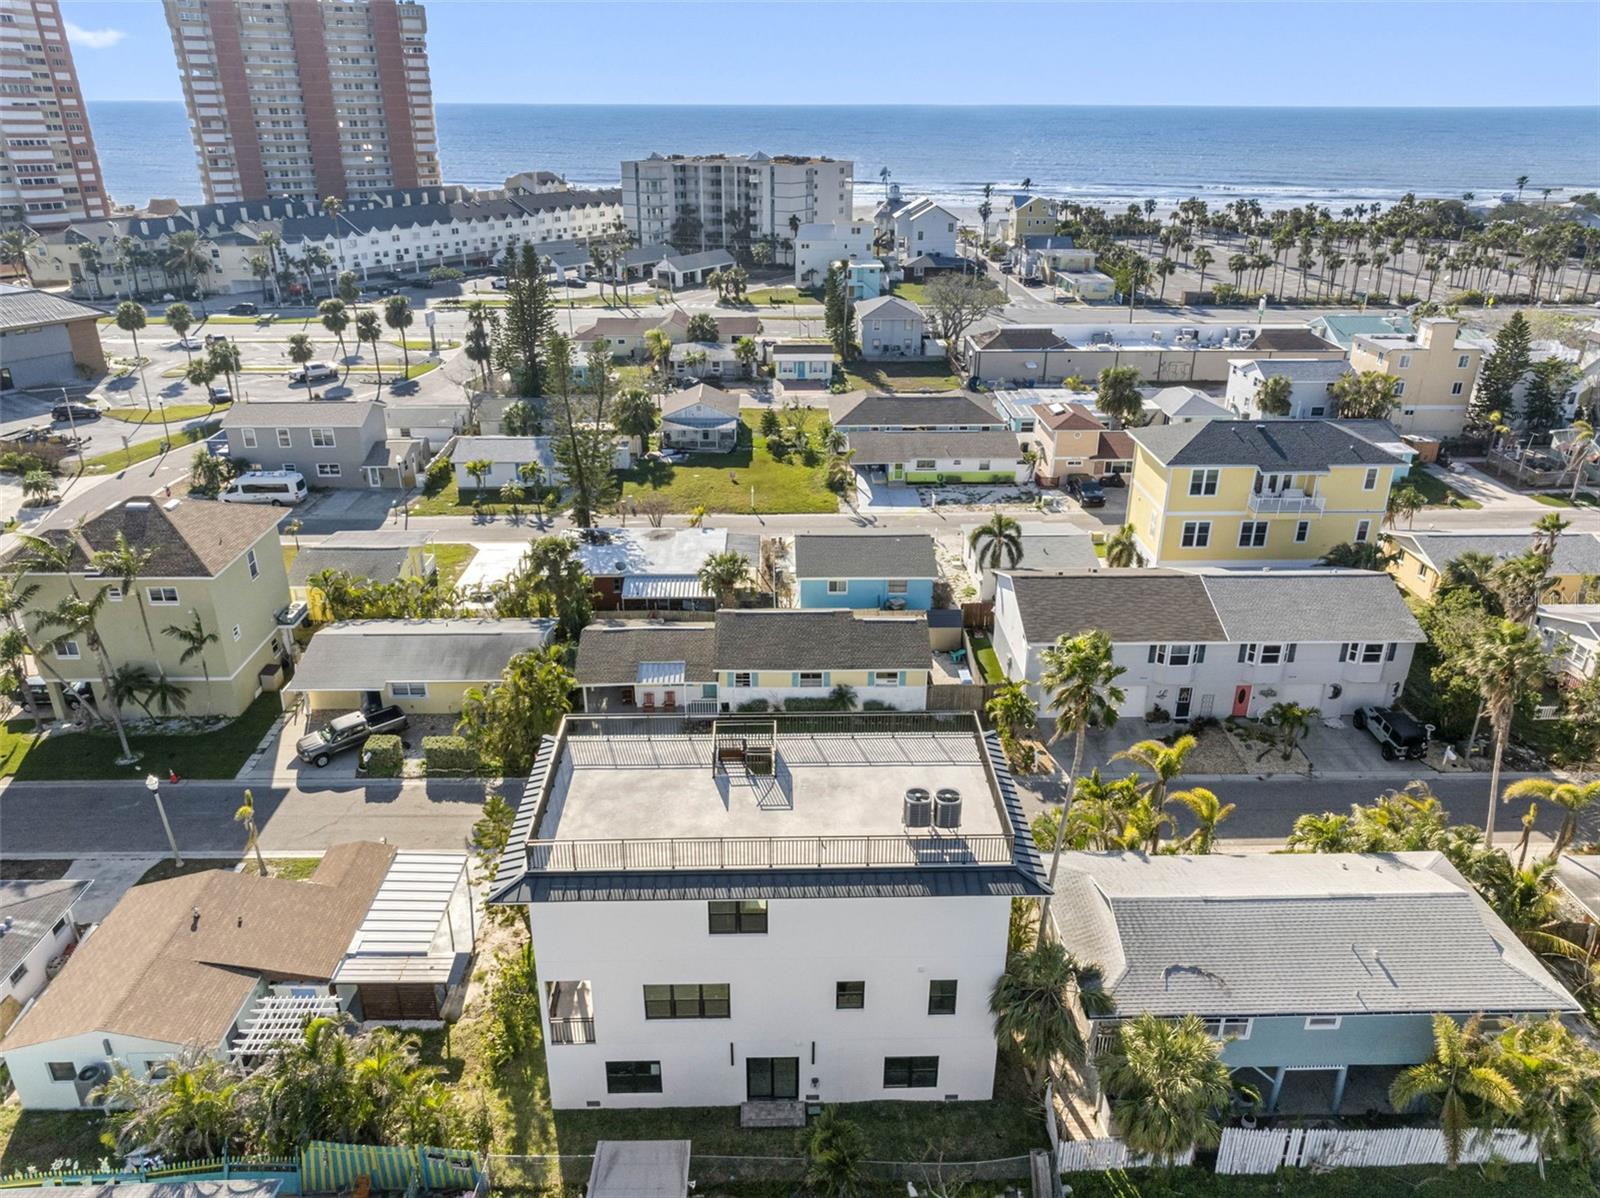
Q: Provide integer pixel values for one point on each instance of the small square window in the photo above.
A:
(67, 650)
(837, 586)
(942, 997)
(811, 679)
(743, 680)
(849, 996)
(20, 972)
(897, 586)
(165, 596)
(62, 1071)
(910, 1073)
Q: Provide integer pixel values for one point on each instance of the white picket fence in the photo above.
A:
(1266, 1151)
(1094, 1156)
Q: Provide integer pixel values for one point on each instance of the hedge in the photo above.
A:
(381, 756)
(449, 755)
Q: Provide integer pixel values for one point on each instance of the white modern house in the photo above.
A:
(1047, 547)
(742, 913)
(1183, 405)
(889, 327)
(1218, 642)
(1571, 635)
(700, 418)
(1311, 386)
(819, 246)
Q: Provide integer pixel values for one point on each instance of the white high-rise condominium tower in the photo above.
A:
(49, 174)
(732, 200)
(306, 98)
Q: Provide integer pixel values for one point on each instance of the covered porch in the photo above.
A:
(658, 686)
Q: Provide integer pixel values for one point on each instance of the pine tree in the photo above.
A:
(1502, 371)
(836, 308)
(528, 322)
(1541, 403)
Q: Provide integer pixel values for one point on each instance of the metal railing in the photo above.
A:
(768, 852)
(571, 1029)
(1286, 503)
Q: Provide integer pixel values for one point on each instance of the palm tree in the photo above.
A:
(17, 246)
(1165, 763)
(38, 487)
(336, 319)
(1080, 678)
(370, 329)
(1471, 569)
(1404, 501)
(272, 242)
(130, 318)
(658, 348)
(76, 616)
(1034, 1004)
(194, 637)
(1011, 710)
(1461, 1081)
(1208, 811)
(723, 574)
(301, 348)
(192, 1108)
(997, 540)
(1292, 722)
(1522, 181)
(835, 1152)
(167, 695)
(127, 564)
(246, 815)
(1273, 395)
(479, 469)
(1507, 661)
(1168, 1082)
(479, 347)
(397, 315)
(180, 319)
(188, 256)
(1122, 548)
(1203, 258)
(15, 599)
(1572, 797)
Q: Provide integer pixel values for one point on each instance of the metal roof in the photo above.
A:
(663, 586)
(661, 673)
(367, 654)
(411, 903)
(28, 307)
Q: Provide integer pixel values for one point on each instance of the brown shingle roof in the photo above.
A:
(186, 538)
(1297, 340)
(152, 970)
(1072, 415)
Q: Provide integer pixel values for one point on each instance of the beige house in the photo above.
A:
(1436, 369)
(1068, 440)
(220, 564)
(1022, 216)
(1423, 557)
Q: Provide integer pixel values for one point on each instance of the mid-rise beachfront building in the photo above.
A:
(740, 909)
(304, 99)
(49, 173)
(729, 201)
(1435, 371)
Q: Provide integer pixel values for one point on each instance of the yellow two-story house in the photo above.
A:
(213, 572)
(1238, 493)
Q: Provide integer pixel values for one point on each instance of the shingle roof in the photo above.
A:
(515, 450)
(873, 449)
(793, 639)
(1299, 934)
(1071, 415)
(30, 910)
(1576, 552)
(186, 538)
(699, 261)
(1285, 340)
(701, 393)
(1270, 445)
(609, 651)
(28, 307)
(1012, 337)
(864, 555)
(367, 654)
(325, 413)
(945, 409)
(1049, 547)
(380, 565)
(1130, 606)
(1311, 605)
(1047, 241)
(888, 306)
(803, 349)
(151, 970)
(1186, 401)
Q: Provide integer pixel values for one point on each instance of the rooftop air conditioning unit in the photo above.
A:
(947, 808)
(918, 808)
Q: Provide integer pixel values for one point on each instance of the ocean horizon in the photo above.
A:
(1108, 155)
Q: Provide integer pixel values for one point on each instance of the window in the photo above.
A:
(897, 586)
(67, 650)
(284, 440)
(1228, 1029)
(1271, 655)
(741, 916)
(942, 997)
(250, 560)
(162, 595)
(59, 925)
(1252, 534)
(849, 996)
(1203, 482)
(1462, 362)
(743, 680)
(114, 594)
(1400, 387)
(693, 1001)
(247, 437)
(886, 678)
(409, 690)
(811, 678)
(1196, 534)
(633, 1077)
(910, 1073)
(1177, 655)
(1405, 360)
(1323, 1023)
(1371, 480)
(837, 586)
(322, 438)
(983, 466)
(20, 972)
(1362, 529)
(1302, 531)
(925, 463)
(1455, 388)
(62, 1071)
(1366, 654)
(328, 470)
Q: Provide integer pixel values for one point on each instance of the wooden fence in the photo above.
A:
(1267, 1151)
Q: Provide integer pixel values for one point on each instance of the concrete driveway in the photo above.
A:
(1348, 751)
(876, 496)
(1484, 487)
(493, 562)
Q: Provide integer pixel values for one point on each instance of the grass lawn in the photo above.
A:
(1469, 1181)
(900, 376)
(988, 659)
(917, 293)
(1562, 499)
(164, 869)
(290, 552)
(1438, 493)
(769, 296)
(723, 482)
(451, 560)
(179, 411)
(291, 869)
(40, 1138)
(424, 344)
(35, 869)
(76, 755)
(120, 459)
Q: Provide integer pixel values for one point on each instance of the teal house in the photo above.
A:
(887, 572)
(1320, 973)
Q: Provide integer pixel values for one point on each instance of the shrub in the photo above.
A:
(828, 703)
(449, 755)
(754, 705)
(1158, 714)
(438, 477)
(381, 756)
(877, 705)
(771, 426)
(12, 462)
(1468, 298)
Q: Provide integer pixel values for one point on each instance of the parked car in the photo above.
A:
(73, 695)
(218, 393)
(1397, 734)
(213, 338)
(244, 310)
(1087, 491)
(276, 487)
(74, 411)
(346, 732)
(498, 282)
(313, 372)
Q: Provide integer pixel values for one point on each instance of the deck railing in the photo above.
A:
(571, 1029)
(769, 852)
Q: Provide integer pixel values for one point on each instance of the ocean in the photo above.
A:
(1102, 155)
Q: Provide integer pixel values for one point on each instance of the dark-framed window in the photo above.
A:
(849, 996)
(710, 1000)
(62, 1071)
(20, 972)
(59, 924)
(942, 997)
(633, 1077)
(738, 916)
(910, 1073)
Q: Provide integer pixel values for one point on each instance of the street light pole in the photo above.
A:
(153, 785)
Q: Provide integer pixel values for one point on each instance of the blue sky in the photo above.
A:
(1295, 52)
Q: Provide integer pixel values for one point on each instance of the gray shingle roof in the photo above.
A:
(325, 413)
(913, 411)
(366, 654)
(1311, 605)
(888, 306)
(699, 261)
(1012, 337)
(1272, 445)
(701, 393)
(515, 450)
(1300, 934)
(28, 307)
(380, 565)
(864, 555)
(793, 639)
(609, 651)
(33, 909)
(1576, 552)
(993, 445)
(1130, 606)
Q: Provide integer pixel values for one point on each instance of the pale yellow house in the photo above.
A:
(1435, 368)
(1235, 493)
(1422, 558)
(1025, 216)
(216, 564)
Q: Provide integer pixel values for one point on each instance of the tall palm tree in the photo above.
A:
(1471, 569)
(1507, 662)
(17, 247)
(336, 319)
(246, 815)
(397, 315)
(997, 540)
(1208, 811)
(188, 254)
(723, 574)
(180, 319)
(127, 565)
(1122, 548)
(194, 637)
(1167, 1083)
(1461, 1081)
(1034, 1003)
(1572, 797)
(76, 616)
(369, 328)
(130, 318)
(15, 599)
(1165, 763)
(1080, 678)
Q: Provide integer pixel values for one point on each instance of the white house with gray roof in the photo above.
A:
(334, 443)
(1218, 643)
(1046, 547)
(691, 270)
(1320, 968)
(889, 327)
(702, 419)
(1311, 383)
(36, 931)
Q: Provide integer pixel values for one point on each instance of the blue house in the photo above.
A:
(865, 570)
(1320, 973)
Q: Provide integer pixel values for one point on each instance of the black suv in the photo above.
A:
(1397, 734)
(244, 310)
(74, 411)
(1087, 491)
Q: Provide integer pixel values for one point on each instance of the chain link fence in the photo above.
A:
(565, 1176)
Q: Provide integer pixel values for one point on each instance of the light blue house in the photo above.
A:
(1319, 972)
(864, 279)
(865, 570)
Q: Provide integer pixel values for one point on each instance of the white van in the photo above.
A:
(276, 487)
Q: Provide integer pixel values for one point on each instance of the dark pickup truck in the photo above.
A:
(348, 731)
